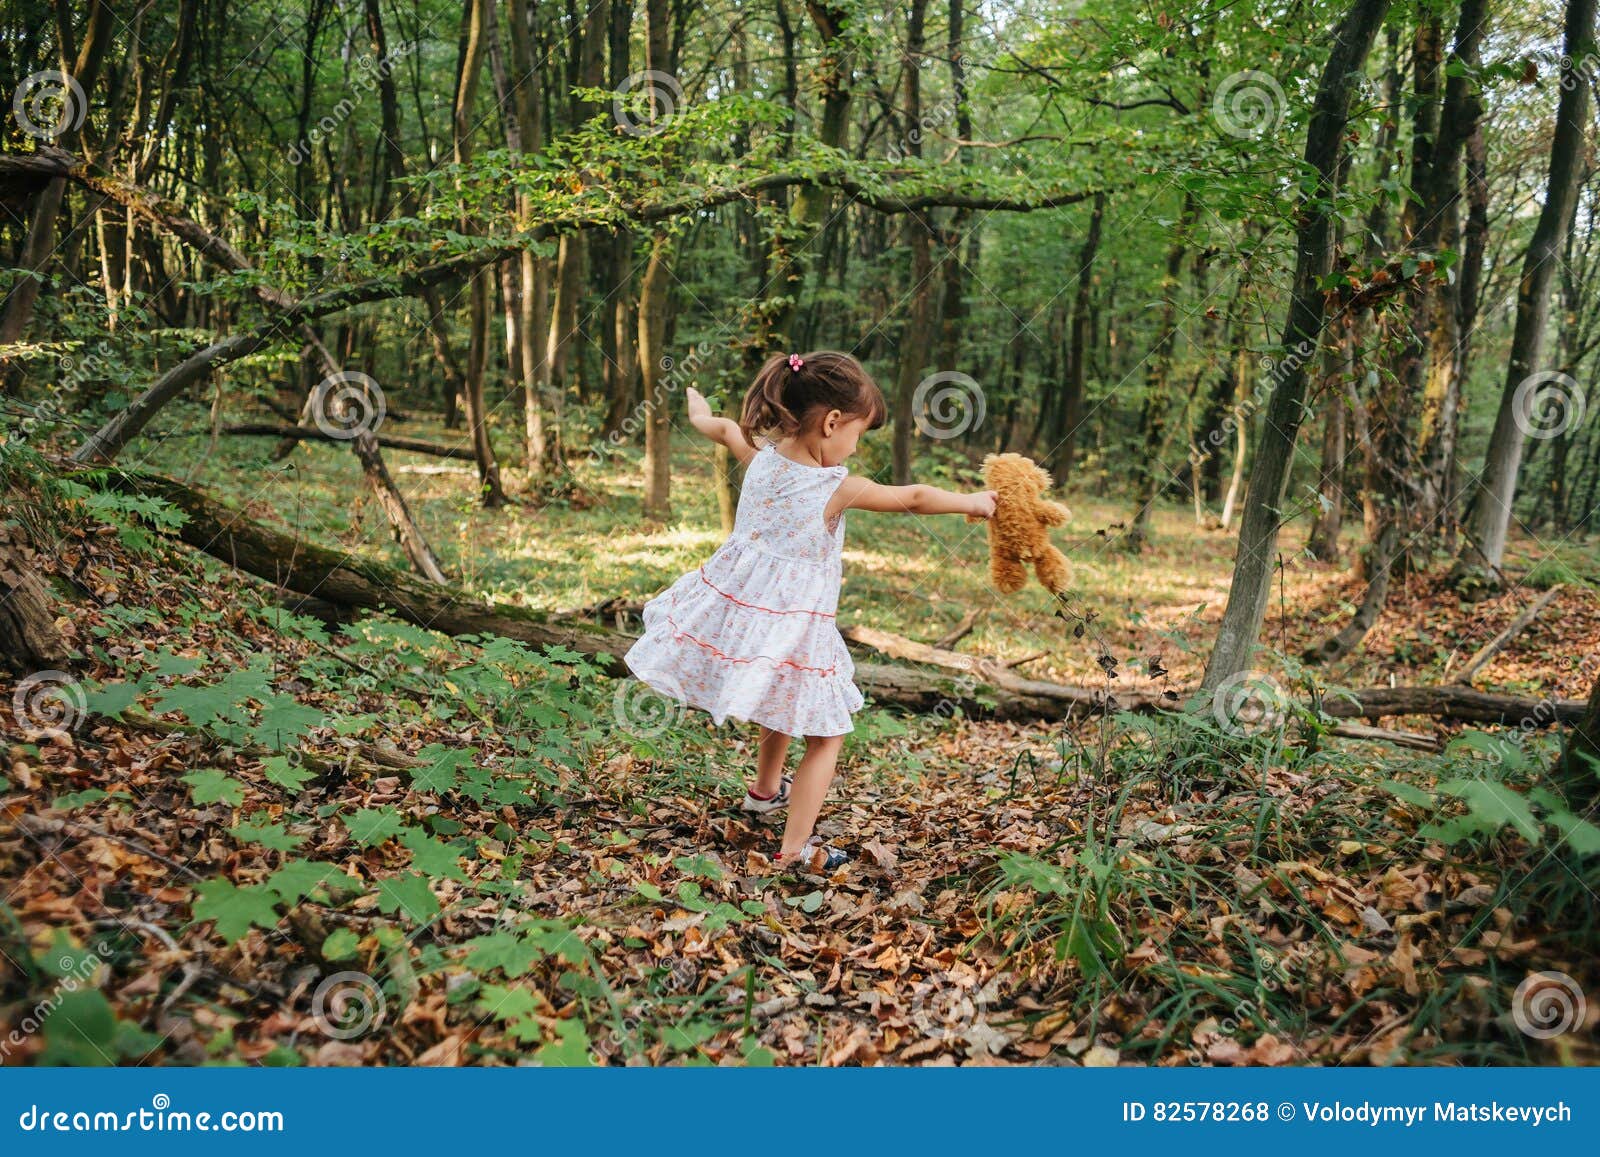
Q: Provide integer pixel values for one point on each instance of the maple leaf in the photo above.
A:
(260, 830)
(505, 1003)
(340, 945)
(409, 894)
(279, 769)
(569, 1050)
(370, 827)
(297, 879)
(432, 857)
(235, 909)
(442, 769)
(208, 785)
(284, 720)
(512, 955)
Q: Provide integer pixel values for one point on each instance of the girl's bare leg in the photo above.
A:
(811, 781)
(771, 754)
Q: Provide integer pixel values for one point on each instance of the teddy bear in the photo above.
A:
(1019, 530)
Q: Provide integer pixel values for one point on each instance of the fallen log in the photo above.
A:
(29, 638)
(1492, 648)
(345, 579)
(404, 527)
(973, 685)
(1449, 702)
(313, 434)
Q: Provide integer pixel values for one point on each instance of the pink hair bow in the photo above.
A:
(796, 361)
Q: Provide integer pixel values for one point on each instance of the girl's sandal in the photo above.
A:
(818, 857)
(758, 806)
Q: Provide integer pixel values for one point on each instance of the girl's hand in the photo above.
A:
(698, 406)
(982, 504)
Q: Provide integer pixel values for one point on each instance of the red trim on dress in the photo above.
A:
(755, 607)
(679, 633)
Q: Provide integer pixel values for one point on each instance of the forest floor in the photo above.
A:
(271, 841)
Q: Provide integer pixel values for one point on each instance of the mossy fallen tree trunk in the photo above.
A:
(946, 682)
(346, 579)
(312, 434)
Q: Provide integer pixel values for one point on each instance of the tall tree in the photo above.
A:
(1315, 208)
(1484, 549)
(917, 332)
(479, 26)
(653, 293)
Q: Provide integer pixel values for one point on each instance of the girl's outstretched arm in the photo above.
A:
(860, 494)
(724, 430)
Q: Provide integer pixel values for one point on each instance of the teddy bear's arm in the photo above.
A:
(1051, 513)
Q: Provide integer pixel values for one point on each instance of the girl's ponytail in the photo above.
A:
(765, 411)
(792, 387)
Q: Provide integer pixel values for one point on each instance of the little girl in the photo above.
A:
(751, 634)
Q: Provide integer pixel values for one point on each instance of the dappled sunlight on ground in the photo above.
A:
(912, 576)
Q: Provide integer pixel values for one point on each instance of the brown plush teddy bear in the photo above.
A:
(1019, 530)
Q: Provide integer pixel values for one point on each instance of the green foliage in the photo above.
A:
(235, 910)
(82, 1029)
(1506, 790)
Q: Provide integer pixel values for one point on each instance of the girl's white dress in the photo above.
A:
(752, 633)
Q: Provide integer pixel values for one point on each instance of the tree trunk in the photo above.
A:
(1578, 769)
(1441, 399)
(1258, 535)
(1340, 366)
(809, 209)
(916, 334)
(313, 434)
(1497, 486)
(657, 401)
(29, 638)
(480, 27)
(84, 71)
(394, 507)
(533, 300)
(1149, 478)
(727, 489)
(953, 299)
(1069, 411)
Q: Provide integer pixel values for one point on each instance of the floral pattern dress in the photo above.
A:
(752, 634)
